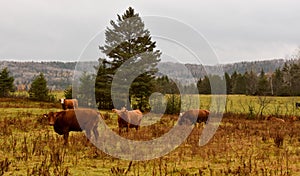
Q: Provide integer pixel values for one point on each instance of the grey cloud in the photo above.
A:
(236, 29)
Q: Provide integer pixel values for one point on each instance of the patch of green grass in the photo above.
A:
(245, 104)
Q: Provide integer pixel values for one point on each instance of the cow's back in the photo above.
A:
(135, 117)
(77, 120)
(202, 113)
(198, 115)
(87, 118)
(69, 104)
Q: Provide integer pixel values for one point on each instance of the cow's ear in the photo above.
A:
(58, 114)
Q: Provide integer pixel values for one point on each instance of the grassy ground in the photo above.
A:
(28, 146)
(255, 104)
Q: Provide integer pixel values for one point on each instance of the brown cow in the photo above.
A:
(66, 121)
(275, 119)
(188, 116)
(69, 103)
(128, 119)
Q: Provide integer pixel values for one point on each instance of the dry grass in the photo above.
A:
(28, 146)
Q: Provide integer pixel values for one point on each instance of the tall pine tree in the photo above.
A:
(128, 41)
(103, 85)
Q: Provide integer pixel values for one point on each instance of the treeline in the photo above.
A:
(58, 74)
(282, 82)
(38, 90)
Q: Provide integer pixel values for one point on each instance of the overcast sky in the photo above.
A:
(237, 30)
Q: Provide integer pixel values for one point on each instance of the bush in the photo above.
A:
(173, 104)
(38, 90)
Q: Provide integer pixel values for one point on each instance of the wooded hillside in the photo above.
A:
(59, 74)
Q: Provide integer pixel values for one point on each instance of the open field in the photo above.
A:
(272, 105)
(254, 106)
(284, 106)
(241, 145)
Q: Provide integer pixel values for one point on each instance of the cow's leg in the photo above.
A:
(96, 134)
(66, 136)
(88, 134)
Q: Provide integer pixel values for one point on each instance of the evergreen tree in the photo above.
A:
(287, 82)
(140, 92)
(128, 41)
(162, 84)
(85, 91)
(166, 86)
(103, 85)
(263, 86)
(68, 92)
(239, 84)
(233, 78)
(295, 79)
(219, 84)
(204, 86)
(6, 83)
(277, 83)
(251, 83)
(228, 83)
(38, 90)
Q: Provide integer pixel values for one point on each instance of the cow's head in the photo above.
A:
(207, 112)
(114, 110)
(51, 117)
(62, 101)
(123, 113)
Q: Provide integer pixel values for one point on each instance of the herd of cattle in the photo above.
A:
(73, 118)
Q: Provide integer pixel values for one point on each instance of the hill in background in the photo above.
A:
(59, 75)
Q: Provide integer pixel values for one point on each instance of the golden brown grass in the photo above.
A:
(28, 146)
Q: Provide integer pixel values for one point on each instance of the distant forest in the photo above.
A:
(270, 77)
(59, 75)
